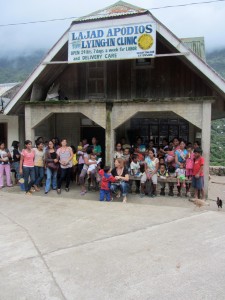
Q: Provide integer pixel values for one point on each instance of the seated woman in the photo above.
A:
(121, 174)
(151, 169)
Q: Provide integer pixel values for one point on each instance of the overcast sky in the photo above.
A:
(206, 20)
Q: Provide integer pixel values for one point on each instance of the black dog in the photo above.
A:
(219, 202)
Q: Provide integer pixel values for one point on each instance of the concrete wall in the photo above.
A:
(12, 128)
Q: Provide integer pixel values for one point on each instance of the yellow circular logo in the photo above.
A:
(145, 41)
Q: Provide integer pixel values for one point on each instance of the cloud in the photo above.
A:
(191, 21)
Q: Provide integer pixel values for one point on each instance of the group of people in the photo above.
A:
(58, 162)
(174, 159)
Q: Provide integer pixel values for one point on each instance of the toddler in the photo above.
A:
(172, 174)
(170, 156)
(106, 179)
(163, 174)
(180, 173)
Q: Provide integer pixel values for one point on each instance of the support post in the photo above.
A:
(108, 134)
(29, 131)
(206, 136)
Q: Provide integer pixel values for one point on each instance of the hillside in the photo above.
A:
(216, 60)
(18, 68)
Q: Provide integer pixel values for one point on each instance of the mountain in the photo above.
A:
(18, 68)
(216, 59)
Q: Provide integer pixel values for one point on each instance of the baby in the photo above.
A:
(170, 156)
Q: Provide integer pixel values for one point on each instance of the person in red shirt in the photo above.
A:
(106, 179)
(198, 174)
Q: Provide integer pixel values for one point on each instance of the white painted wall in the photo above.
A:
(12, 128)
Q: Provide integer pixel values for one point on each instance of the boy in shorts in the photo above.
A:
(198, 175)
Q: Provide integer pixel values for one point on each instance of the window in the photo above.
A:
(144, 63)
(157, 129)
(96, 79)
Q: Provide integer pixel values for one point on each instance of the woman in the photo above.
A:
(122, 176)
(27, 167)
(87, 163)
(151, 169)
(16, 159)
(118, 153)
(65, 155)
(38, 164)
(176, 144)
(51, 164)
(4, 165)
(180, 154)
(97, 149)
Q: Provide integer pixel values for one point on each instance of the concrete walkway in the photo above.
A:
(63, 247)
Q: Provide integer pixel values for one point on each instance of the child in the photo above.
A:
(189, 162)
(92, 167)
(107, 178)
(163, 174)
(180, 173)
(126, 157)
(198, 175)
(135, 171)
(189, 167)
(172, 174)
(162, 161)
(135, 166)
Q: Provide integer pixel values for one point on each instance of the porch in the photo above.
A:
(117, 118)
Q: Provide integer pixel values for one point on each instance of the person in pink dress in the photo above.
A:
(189, 162)
(4, 165)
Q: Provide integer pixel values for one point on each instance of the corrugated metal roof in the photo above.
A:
(118, 9)
(4, 87)
(197, 45)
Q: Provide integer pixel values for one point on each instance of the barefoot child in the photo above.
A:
(163, 174)
(189, 162)
(180, 173)
(135, 171)
(198, 175)
(106, 179)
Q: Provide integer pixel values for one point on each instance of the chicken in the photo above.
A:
(199, 203)
(219, 203)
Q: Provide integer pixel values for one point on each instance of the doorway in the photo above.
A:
(3, 133)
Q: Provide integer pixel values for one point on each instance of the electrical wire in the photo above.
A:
(69, 18)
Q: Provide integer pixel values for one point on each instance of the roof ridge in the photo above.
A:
(96, 14)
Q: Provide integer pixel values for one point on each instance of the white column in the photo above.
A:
(206, 135)
(29, 131)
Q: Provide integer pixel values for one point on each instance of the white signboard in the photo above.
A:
(113, 43)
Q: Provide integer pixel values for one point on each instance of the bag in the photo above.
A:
(52, 166)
